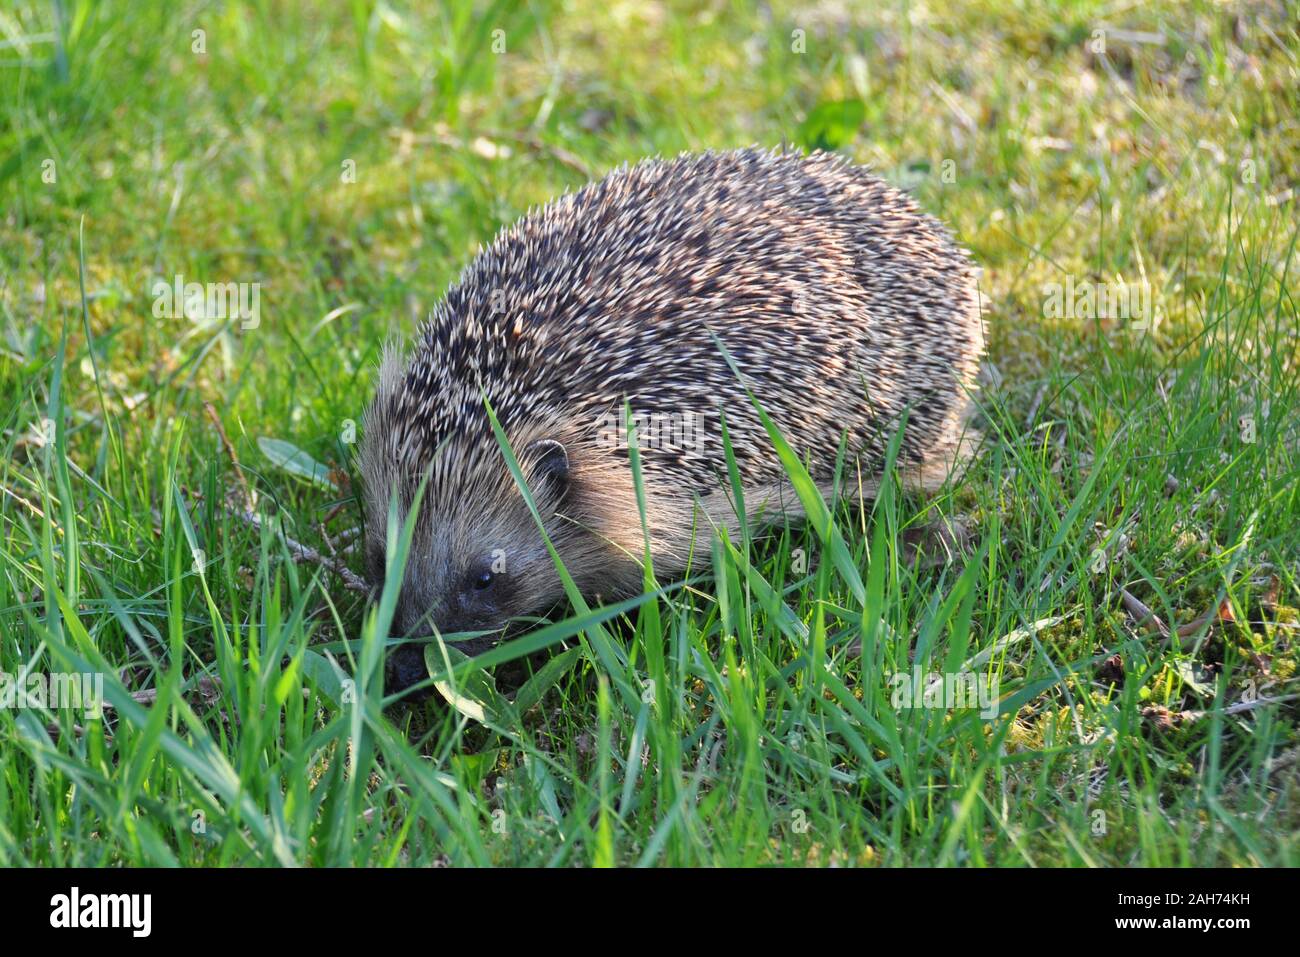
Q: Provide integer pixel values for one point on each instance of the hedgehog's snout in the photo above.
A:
(413, 617)
(405, 667)
(419, 616)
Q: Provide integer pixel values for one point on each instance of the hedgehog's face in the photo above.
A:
(476, 561)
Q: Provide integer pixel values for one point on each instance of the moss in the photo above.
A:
(1284, 626)
(1283, 667)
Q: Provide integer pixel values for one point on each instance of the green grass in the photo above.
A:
(746, 715)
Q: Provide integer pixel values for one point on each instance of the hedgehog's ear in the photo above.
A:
(550, 466)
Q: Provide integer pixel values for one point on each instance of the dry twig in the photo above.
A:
(305, 553)
(250, 500)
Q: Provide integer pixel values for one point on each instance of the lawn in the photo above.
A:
(1119, 569)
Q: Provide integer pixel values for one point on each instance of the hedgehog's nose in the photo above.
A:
(404, 668)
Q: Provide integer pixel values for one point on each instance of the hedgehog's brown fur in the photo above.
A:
(842, 305)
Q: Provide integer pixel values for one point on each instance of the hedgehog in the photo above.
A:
(671, 295)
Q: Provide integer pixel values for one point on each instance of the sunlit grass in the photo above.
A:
(350, 160)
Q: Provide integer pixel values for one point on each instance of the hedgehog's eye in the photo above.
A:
(482, 576)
